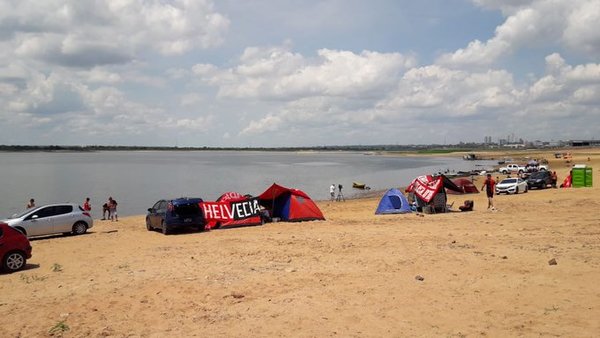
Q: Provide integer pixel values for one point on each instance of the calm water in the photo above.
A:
(137, 179)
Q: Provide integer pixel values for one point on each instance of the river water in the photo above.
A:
(136, 179)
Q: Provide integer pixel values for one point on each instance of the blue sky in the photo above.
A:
(297, 73)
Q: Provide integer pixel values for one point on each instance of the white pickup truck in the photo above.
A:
(512, 168)
(533, 168)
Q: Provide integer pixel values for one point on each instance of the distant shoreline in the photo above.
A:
(426, 150)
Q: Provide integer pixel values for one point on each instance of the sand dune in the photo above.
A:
(483, 274)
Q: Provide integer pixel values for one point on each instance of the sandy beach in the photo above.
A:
(482, 273)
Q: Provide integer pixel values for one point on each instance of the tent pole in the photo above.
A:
(273, 202)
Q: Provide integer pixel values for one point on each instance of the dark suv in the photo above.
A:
(168, 215)
(539, 179)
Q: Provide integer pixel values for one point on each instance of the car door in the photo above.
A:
(3, 247)
(162, 212)
(62, 218)
(153, 215)
(39, 222)
(521, 185)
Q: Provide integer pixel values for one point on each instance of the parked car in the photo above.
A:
(15, 249)
(539, 179)
(179, 213)
(51, 219)
(532, 168)
(511, 186)
(512, 168)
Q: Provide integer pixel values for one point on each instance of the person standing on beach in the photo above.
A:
(332, 191)
(105, 211)
(489, 185)
(31, 204)
(112, 207)
(340, 196)
(86, 205)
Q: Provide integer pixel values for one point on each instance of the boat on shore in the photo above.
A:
(360, 185)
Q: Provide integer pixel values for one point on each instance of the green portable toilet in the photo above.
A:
(581, 176)
(588, 176)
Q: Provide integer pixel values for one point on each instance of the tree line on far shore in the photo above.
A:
(427, 149)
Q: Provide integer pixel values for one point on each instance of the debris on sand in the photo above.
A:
(552, 262)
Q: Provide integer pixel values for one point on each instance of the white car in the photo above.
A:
(511, 186)
(52, 219)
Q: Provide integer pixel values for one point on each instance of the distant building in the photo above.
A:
(514, 145)
(585, 143)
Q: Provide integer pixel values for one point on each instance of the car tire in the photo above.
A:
(165, 228)
(148, 226)
(13, 261)
(79, 228)
(526, 190)
(517, 191)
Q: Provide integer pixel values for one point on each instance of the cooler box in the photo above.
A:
(581, 176)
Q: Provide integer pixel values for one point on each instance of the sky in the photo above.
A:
(275, 73)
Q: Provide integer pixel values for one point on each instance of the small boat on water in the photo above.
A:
(359, 185)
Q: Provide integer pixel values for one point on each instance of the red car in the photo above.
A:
(14, 249)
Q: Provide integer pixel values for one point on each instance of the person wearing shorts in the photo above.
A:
(489, 184)
(112, 207)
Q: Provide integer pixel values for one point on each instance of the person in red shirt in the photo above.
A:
(87, 206)
(489, 184)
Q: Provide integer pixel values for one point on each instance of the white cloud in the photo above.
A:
(573, 86)
(203, 69)
(98, 75)
(530, 23)
(109, 32)
(279, 74)
(438, 95)
(443, 92)
(137, 72)
(582, 31)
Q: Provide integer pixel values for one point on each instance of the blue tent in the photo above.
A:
(393, 202)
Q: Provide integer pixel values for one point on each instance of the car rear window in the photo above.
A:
(63, 209)
(188, 209)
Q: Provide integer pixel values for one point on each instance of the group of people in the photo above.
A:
(340, 196)
(489, 184)
(109, 209)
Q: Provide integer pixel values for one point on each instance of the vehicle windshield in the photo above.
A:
(22, 213)
(509, 181)
(539, 174)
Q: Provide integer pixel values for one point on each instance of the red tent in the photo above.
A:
(466, 185)
(427, 186)
(291, 205)
(232, 197)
